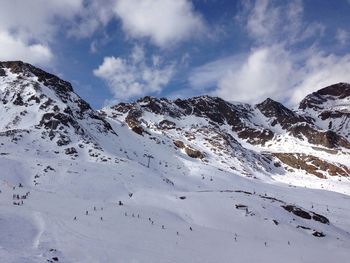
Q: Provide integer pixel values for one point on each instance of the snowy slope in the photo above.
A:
(210, 194)
(329, 108)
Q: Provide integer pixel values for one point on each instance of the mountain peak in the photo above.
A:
(329, 108)
(340, 90)
(97, 168)
(333, 92)
(269, 103)
(280, 114)
(28, 70)
(37, 101)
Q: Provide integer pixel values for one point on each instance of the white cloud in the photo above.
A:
(133, 76)
(274, 67)
(264, 73)
(272, 71)
(164, 22)
(320, 70)
(28, 27)
(342, 36)
(207, 76)
(36, 19)
(92, 15)
(258, 24)
(269, 21)
(39, 21)
(15, 49)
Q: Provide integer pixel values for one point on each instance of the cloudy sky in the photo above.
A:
(244, 50)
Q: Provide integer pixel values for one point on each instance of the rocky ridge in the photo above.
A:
(268, 137)
(227, 126)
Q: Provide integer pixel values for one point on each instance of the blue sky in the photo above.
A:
(119, 50)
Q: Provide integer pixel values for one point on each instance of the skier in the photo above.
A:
(75, 218)
(191, 228)
(87, 212)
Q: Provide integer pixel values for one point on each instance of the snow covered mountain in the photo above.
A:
(266, 137)
(329, 108)
(193, 180)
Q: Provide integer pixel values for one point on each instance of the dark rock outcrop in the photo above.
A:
(312, 164)
(316, 99)
(166, 125)
(193, 153)
(305, 214)
(279, 113)
(327, 139)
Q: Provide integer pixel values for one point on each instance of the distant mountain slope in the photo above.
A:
(266, 136)
(156, 180)
(329, 108)
(45, 110)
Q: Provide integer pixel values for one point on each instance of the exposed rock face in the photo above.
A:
(303, 126)
(312, 164)
(280, 114)
(329, 108)
(238, 116)
(214, 109)
(179, 144)
(167, 125)
(237, 135)
(317, 99)
(255, 136)
(297, 211)
(132, 119)
(327, 139)
(305, 214)
(190, 151)
(2, 72)
(48, 104)
(224, 126)
(193, 153)
(71, 151)
(61, 87)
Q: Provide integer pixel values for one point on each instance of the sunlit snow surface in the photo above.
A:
(178, 210)
(44, 228)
